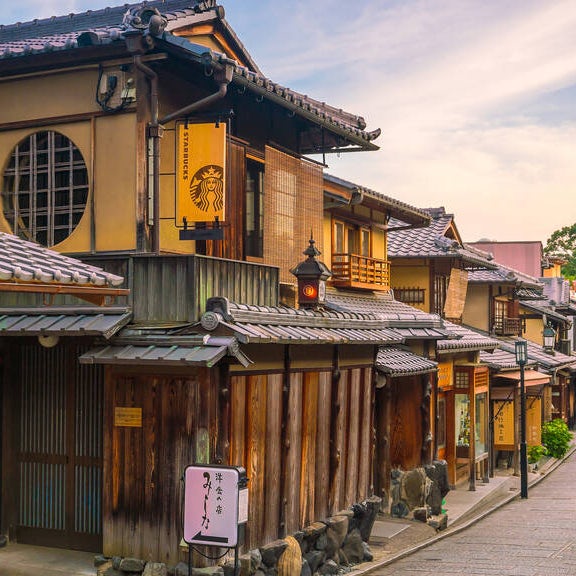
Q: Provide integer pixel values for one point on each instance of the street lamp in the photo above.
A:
(549, 335)
(521, 347)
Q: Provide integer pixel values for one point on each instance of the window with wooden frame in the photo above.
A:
(254, 214)
(350, 239)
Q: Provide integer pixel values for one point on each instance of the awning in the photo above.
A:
(531, 377)
(63, 322)
(166, 355)
(396, 362)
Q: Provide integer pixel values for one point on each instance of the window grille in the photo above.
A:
(410, 295)
(45, 188)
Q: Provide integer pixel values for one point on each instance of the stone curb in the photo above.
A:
(450, 531)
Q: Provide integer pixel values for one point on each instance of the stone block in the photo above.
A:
(421, 514)
(155, 569)
(271, 552)
(336, 530)
(132, 565)
(439, 522)
(329, 567)
(353, 548)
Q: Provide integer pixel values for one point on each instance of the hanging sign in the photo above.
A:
(200, 173)
(215, 502)
(504, 425)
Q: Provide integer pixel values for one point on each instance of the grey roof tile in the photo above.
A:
(109, 25)
(23, 261)
(432, 242)
(63, 322)
(395, 362)
(465, 339)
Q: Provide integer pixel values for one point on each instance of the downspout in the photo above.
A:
(223, 74)
(137, 45)
(155, 132)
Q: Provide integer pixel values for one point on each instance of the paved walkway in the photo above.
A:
(391, 538)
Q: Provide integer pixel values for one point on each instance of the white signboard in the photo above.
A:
(211, 505)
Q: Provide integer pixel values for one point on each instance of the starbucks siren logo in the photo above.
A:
(207, 188)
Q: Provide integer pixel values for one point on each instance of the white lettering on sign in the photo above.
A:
(211, 505)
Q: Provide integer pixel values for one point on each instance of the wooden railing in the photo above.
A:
(507, 326)
(354, 271)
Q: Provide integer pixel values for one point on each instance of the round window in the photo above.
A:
(45, 188)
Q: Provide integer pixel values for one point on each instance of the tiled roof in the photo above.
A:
(167, 351)
(505, 275)
(545, 308)
(63, 322)
(26, 262)
(390, 312)
(500, 359)
(395, 361)
(107, 26)
(399, 210)
(467, 340)
(431, 242)
(505, 357)
(283, 325)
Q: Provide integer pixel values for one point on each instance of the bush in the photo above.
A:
(556, 437)
(535, 453)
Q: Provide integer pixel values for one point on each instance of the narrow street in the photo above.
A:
(533, 537)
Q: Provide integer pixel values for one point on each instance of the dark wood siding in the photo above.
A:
(143, 466)
(306, 446)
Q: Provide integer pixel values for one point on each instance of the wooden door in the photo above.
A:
(58, 452)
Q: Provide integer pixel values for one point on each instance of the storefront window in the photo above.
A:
(462, 421)
(480, 427)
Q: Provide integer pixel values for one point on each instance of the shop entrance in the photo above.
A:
(57, 411)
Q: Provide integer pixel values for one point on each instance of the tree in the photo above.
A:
(562, 244)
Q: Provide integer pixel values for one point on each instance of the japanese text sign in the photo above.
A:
(211, 505)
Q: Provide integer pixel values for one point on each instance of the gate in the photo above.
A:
(59, 454)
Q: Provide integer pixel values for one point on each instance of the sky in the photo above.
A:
(475, 98)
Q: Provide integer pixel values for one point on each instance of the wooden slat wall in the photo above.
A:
(406, 433)
(293, 447)
(323, 442)
(143, 466)
(306, 449)
(308, 458)
(232, 247)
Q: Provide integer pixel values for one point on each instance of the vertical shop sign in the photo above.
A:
(215, 502)
(200, 173)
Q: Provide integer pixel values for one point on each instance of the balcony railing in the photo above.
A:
(507, 326)
(353, 271)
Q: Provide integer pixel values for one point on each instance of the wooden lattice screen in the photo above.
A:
(292, 209)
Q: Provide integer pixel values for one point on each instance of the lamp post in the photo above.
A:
(521, 348)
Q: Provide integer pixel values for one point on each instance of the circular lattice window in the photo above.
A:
(45, 188)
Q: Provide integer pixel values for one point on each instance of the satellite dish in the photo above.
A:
(48, 340)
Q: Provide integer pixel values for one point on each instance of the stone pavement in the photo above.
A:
(391, 538)
(394, 538)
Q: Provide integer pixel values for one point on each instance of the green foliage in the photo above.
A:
(535, 453)
(562, 243)
(556, 437)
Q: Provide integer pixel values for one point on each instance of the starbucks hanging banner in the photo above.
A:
(200, 173)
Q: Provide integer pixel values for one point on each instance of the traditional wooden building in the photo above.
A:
(145, 141)
(430, 270)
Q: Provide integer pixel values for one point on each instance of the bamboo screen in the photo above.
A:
(293, 206)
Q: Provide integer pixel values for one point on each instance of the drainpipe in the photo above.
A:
(222, 74)
(137, 45)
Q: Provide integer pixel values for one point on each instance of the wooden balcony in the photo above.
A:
(507, 327)
(353, 271)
